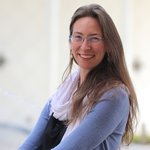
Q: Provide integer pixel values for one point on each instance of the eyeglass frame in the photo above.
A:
(90, 39)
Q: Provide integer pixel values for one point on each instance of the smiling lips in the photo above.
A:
(86, 56)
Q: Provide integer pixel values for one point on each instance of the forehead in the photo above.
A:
(86, 25)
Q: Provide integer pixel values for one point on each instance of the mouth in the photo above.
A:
(86, 56)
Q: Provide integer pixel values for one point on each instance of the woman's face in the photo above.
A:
(87, 43)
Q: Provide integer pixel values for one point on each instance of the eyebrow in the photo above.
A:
(78, 33)
(93, 34)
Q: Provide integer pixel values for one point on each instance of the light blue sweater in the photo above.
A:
(101, 129)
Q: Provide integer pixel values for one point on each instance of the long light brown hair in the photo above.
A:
(111, 72)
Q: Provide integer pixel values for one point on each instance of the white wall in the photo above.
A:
(24, 76)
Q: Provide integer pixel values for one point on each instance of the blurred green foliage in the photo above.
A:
(141, 139)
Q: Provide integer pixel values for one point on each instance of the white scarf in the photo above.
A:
(61, 100)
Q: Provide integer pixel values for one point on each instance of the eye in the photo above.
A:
(77, 37)
(94, 39)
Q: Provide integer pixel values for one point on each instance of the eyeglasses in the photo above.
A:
(79, 39)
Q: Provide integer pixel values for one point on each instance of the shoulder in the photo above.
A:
(115, 93)
(117, 97)
(113, 106)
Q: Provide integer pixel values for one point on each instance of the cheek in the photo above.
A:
(73, 49)
(101, 52)
(99, 49)
(74, 53)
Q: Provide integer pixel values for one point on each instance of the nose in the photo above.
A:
(85, 44)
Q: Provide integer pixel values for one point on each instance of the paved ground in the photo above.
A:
(137, 147)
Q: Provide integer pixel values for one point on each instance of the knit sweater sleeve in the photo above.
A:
(99, 123)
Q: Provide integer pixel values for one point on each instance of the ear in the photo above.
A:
(70, 45)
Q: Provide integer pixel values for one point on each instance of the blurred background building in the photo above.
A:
(34, 52)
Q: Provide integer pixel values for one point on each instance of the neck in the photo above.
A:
(83, 74)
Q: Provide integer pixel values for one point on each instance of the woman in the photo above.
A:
(95, 108)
